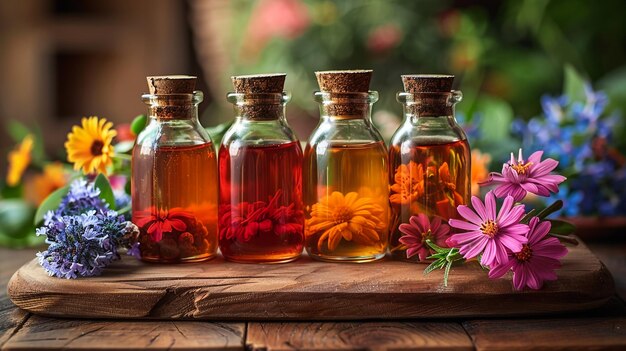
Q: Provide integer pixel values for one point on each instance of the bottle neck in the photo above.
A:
(346, 106)
(172, 107)
(417, 105)
(259, 107)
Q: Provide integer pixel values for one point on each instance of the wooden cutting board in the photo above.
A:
(305, 290)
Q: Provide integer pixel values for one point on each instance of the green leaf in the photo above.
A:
(446, 273)
(124, 147)
(528, 216)
(138, 124)
(51, 203)
(17, 130)
(556, 205)
(573, 84)
(16, 217)
(562, 227)
(435, 265)
(106, 192)
(12, 192)
(497, 118)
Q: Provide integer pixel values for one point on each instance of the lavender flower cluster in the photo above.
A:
(579, 134)
(83, 234)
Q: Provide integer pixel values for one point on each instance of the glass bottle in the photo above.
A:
(429, 161)
(174, 176)
(260, 162)
(345, 166)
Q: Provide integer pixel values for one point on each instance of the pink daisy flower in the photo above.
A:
(537, 260)
(418, 230)
(520, 177)
(487, 232)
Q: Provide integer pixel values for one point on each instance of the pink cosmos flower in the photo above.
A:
(488, 233)
(418, 230)
(537, 260)
(519, 177)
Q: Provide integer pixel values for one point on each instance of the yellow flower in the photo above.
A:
(480, 171)
(19, 159)
(40, 186)
(409, 183)
(89, 147)
(348, 217)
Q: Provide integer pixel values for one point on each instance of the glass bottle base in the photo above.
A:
(193, 259)
(276, 259)
(353, 259)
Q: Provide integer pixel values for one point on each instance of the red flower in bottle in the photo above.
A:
(159, 222)
(246, 220)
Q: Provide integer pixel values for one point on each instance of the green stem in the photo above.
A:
(122, 157)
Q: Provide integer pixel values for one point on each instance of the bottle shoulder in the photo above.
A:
(179, 132)
(438, 132)
(259, 133)
(345, 132)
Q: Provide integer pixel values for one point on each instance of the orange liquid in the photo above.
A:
(175, 202)
(346, 197)
(434, 180)
(261, 217)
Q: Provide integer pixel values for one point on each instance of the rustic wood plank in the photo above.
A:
(11, 317)
(613, 255)
(602, 333)
(42, 333)
(357, 336)
(305, 290)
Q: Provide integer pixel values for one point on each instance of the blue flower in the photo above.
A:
(82, 197)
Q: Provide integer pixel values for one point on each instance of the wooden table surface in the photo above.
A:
(604, 328)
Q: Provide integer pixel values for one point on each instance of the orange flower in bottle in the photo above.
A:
(349, 217)
(409, 184)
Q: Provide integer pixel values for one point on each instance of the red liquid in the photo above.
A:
(175, 202)
(260, 213)
(434, 180)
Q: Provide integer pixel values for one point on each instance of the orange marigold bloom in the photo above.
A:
(19, 159)
(89, 146)
(53, 177)
(350, 217)
(480, 169)
(409, 183)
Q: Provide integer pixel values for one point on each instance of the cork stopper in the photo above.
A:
(427, 83)
(433, 104)
(350, 81)
(176, 84)
(259, 83)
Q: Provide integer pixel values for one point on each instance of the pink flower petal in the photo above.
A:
(455, 223)
(468, 214)
(479, 207)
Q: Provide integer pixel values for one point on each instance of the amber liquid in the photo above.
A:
(260, 214)
(175, 202)
(432, 179)
(346, 199)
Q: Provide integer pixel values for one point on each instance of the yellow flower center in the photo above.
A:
(522, 168)
(342, 214)
(96, 147)
(525, 254)
(489, 228)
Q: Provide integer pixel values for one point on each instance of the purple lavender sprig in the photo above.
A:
(84, 236)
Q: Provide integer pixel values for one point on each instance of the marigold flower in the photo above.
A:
(409, 183)
(488, 233)
(520, 177)
(418, 230)
(350, 217)
(19, 159)
(89, 146)
(536, 261)
(52, 178)
(480, 170)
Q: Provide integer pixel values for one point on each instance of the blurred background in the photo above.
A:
(537, 74)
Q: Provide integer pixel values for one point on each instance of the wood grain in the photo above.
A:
(41, 333)
(357, 336)
(605, 333)
(305, 290)
(11, 318)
